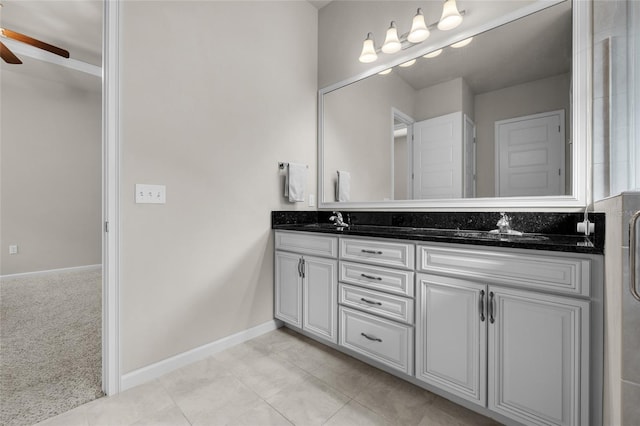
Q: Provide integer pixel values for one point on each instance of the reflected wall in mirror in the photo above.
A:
(491, 119)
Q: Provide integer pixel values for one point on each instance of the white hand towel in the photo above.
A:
(295, 182)
(343, 186)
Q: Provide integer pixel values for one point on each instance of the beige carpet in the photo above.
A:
(50, 344)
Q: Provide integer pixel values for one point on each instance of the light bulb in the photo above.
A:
(391, 42)
(450, 18)
(368, 53)
(433, 54)
(408, 63)
(462, 43)
(419, 31)
(385, 72)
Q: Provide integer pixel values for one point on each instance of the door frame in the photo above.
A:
(111, 355)
(496, 148)
(408, 120)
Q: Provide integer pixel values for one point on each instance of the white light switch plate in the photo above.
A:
(151, 194)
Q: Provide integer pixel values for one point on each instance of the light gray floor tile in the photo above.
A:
(216, 403)
(354, 414)
(274, 341)
(262, 414)
(267, 375)
(310, 402)
(171, 416)
(463, 416)
(129, 406)
(194, 376)
(307, 354)
(346, 374)
(396, 400)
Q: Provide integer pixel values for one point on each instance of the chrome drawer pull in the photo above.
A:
(482, 318)
(375, 339)
(371, 277)
(491, 308)
(370, 302)
(371, 251)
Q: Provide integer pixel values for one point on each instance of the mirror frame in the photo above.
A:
(580, 131)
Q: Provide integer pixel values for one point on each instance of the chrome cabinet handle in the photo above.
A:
(370, 302)
(633, 243)
(303, 268)
(300, 267)
(371, 251)
(375, 339)
(371, 277)
(491, 308)
(482, 318)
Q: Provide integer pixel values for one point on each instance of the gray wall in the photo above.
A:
(208, 116)
(50, 168)
(357, 135)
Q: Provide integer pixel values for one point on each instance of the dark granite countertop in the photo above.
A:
(541, 231)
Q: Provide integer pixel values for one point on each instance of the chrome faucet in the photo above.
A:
(338, 220)
(504, 227)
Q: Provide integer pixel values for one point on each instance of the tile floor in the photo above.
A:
(279, 378)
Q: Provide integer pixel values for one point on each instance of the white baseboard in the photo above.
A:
(53, 271)
(153, 371)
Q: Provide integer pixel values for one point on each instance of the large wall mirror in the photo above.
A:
(500, 122)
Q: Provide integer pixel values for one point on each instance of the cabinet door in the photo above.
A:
(538, 357)
(288, 288)
(320, 288)
(451, 336)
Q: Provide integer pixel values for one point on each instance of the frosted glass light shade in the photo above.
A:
(450, 18)
(385, 72)
(419, 31)
(368, 53)
(408, 63)
(433, 54)
(392, 42)
(462, 43)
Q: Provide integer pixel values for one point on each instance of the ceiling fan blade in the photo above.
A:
(8, 55)
(33, 42)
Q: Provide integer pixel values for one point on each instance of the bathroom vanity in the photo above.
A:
(508, 327)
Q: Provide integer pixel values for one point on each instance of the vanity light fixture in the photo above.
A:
(450, 18)
(385, 72)
(462, 43)
(419, 32)
(433, 54)
(368, 53)
(408, 63)
(392, 42)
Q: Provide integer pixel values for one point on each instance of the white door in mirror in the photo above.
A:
(151, 194)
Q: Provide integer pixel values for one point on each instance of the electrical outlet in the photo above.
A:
(151, 194)
(312, 200)
(13, 249)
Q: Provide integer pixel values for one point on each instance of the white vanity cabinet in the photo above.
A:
(306, 285)
(376, 301)
(482, 336)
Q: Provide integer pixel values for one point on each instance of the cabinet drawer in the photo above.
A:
(305, 243)
(399, 255)
(377, 278)
(382, 340)
(550, 273)
(386, 305)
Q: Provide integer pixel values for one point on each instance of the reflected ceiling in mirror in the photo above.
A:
(491, 119)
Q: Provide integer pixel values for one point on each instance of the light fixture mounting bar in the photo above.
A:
(407, 44)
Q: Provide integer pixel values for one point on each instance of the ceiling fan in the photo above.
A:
(9, 57)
